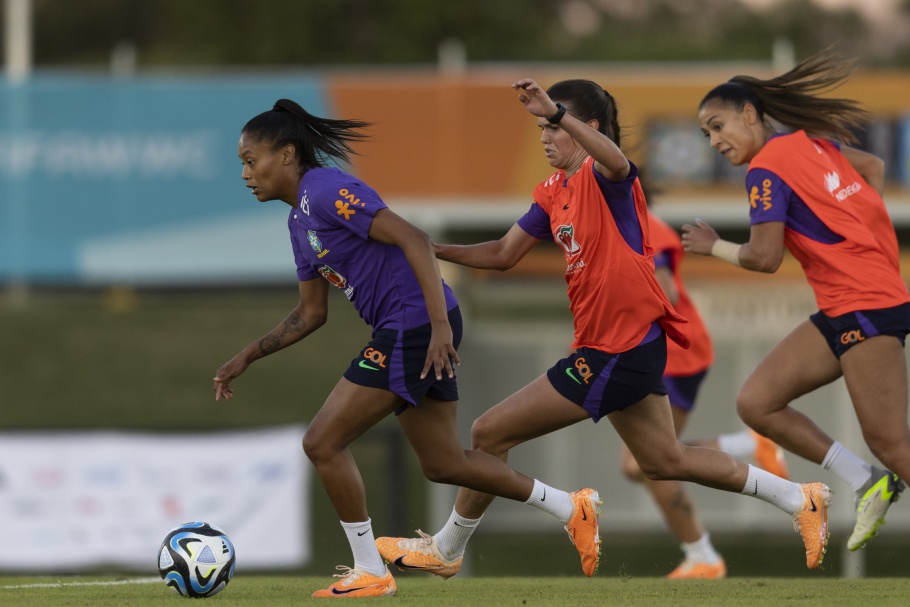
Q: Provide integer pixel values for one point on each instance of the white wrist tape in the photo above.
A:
(726, 250)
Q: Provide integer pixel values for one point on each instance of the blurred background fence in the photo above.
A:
(133, 263)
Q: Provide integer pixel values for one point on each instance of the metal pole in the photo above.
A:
(18, 62)
(18, 39)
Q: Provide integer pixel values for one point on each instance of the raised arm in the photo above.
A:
(391, 229)
(609, 160)
(309, 314)
(500, 254)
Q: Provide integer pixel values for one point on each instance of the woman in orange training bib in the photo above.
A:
(593, 207)
(821, 200)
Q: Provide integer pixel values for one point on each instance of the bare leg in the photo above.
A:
(647, 429)
(799, 364)
(432, 430)
(349, 411)
(670, 496)
(535, 410)
(876, 376)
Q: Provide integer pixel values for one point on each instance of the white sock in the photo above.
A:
(453, 538)
(740, 445)
(701, 551)
(845, 464)
(773, 489)
(552, 501)
(363, 545)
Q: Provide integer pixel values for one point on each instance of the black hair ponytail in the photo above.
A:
(316, 140)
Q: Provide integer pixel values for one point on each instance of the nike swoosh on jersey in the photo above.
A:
(570, 374)
(364, 364)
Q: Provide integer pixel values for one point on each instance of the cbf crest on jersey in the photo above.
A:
(316, 244)
(565, 236)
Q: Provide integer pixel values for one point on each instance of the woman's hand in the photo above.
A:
(441, 352)
(223, 376)
(534, 98)
(698, 238)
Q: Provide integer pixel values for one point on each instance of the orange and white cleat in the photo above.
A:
(698, 570)
(769, 456)
(418, 553)
(812, 522)
(356, 583)
(583, 528)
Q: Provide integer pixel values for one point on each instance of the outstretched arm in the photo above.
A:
(309, 314)
(391, 229)
(609, 160)
(500, 254)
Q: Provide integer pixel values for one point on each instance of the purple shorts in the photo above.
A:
(683, 389)
(602, 383)
(394, 359)
(845, 331)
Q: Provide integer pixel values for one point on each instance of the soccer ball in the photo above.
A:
(196, 560)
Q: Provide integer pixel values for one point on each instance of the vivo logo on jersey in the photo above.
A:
(832, 182)
(764, 196)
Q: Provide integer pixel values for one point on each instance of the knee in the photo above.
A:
(441, 470)
(485, 437)
(665, 465)
(313, 447)
(749, 410)
(631, 470)
(889, 447)
(656, 470)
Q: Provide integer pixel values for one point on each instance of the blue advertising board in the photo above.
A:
(138, 181)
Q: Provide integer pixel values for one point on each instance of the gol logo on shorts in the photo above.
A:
(583, 369)
(375, 356)
(851, 337)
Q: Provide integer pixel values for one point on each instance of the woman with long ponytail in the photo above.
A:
(344, 235)
(813, 194)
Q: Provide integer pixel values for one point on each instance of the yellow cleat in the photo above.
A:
(872, 506)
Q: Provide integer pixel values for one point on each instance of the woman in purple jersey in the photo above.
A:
(343, 235)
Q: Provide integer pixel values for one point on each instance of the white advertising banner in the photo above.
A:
(75, 500)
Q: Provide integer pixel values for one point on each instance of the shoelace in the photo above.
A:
(348, 574)
(416, 543)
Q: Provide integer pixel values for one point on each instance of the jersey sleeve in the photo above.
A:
(351, 205)
(616, 189)
(536, 222)
(769, 196)
(304, 270)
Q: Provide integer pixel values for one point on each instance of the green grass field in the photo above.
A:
(469, 592)
(144, 361)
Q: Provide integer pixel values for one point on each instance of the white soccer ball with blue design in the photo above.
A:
(196, 560)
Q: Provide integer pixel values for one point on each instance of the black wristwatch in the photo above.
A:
(560, 112)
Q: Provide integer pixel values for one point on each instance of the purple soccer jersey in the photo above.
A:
(330, 229)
